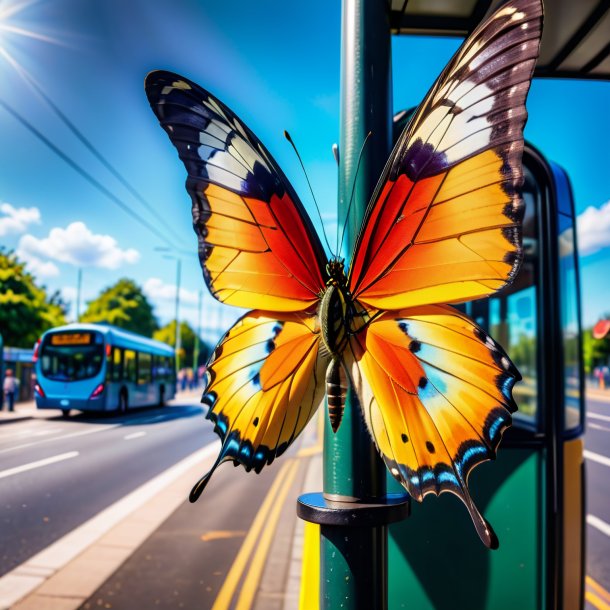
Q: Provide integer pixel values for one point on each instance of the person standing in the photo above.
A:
(10, 388)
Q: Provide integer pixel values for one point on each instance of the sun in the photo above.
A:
(12, 28)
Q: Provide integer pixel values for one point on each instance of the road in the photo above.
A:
(56, 473)
(597, 446)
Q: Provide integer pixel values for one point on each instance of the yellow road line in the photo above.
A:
(222, 535)
(597, 588)
(227, 590)
(250, 586)
(599, 603)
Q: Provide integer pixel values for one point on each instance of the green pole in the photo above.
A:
(353, 560)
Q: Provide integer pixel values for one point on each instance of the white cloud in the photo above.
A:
(594, 229)
(16, 220)
(77, 245)
(157, 290)
(38, 267)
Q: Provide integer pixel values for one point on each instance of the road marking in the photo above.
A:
(598, 416)
(134, 435)
(222, 535)
(250, 586)
(595, 601)
(225, 595)
(59, 438)
(597, 588)
(596, 457)
(23, 579)
(598, 427)
(598, 523)
(38, 464)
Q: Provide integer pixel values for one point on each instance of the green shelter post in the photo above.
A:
(354, 510)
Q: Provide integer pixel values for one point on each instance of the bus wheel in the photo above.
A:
(162, 396)
(65, 412)
(123, 404)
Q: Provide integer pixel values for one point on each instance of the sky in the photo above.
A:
(277, 66)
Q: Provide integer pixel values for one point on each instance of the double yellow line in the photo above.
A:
(598, 596)
(265, 521)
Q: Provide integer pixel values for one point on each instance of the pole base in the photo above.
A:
(314, 507)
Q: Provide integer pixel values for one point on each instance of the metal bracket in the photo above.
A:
(314, 507)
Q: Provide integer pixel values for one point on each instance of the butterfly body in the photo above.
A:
(443, 226)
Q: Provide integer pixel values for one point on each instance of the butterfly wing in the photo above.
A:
(435, 392)
(262, 387)
(257, 246)
(443, 225)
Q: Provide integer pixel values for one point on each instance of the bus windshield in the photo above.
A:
(72, 356)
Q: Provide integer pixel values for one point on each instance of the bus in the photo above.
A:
(97, 367)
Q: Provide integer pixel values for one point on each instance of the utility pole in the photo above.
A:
(178, 342)
(197, 338)
(79, 281)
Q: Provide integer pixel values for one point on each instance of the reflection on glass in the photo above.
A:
(570, 323)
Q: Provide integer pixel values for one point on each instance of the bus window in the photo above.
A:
(570, 324)
(116, 370)
(144, 368)
(71, 356)
(129, 365)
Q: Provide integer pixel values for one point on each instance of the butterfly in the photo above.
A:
(443, 227)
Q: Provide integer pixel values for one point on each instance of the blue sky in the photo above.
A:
(275, 64)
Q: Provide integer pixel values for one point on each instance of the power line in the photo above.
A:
(76, 167)
(98, 155)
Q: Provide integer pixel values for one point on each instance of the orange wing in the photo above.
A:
(257, 246)
(262, 387)
(435, 392)
(444, 223)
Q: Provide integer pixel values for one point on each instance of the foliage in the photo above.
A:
(596, 352)
(124, 305)
(26, 310)
(167, 334)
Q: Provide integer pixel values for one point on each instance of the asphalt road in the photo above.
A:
(99, 460)
(597, 441)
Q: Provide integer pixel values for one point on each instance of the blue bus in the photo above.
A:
(96, 367)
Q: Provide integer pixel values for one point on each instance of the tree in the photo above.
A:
(26, 310)
(124, 305)
(167, 334)
(596, 352)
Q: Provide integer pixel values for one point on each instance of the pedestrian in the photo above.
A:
(9, 387)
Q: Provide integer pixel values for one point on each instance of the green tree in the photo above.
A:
(124, 305)
(26, 310)
(595, 351)
(167, 334)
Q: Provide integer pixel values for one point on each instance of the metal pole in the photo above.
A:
(79, 281)
(178, 338)
(354, 560)
(197, 338)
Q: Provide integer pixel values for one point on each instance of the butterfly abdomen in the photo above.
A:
(336, 390)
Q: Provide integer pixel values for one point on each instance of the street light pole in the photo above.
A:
(178, 335)
(197, 338)
(79, 281)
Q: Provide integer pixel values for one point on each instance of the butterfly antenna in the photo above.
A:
(351, 199)
(287, 136)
